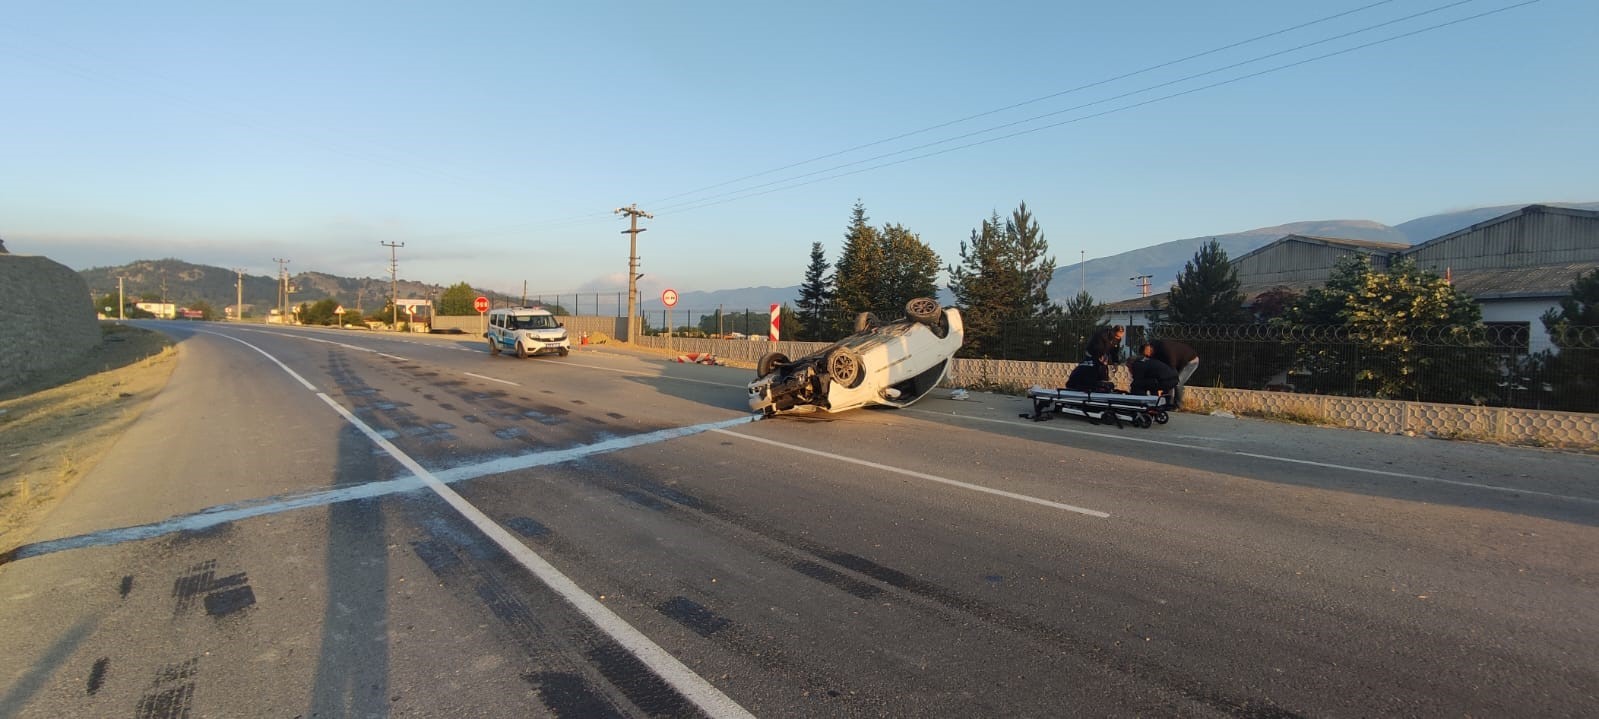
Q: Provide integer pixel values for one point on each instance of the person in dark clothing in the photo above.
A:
(1152, 376)
(1180, 357)
(1105, 346)
(1090, 376)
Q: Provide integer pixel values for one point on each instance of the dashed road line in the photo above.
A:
(1268, 457)
(921, 475)
(491, 379)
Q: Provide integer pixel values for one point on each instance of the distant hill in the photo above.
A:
(187, 283)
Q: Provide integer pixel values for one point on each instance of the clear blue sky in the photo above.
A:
(495, 138)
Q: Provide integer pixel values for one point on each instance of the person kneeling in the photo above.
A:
(1152, 376)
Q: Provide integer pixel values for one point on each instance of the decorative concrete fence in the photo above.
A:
(613, 327)
(1496, 424)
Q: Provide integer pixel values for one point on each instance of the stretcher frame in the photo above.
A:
(1138, 410)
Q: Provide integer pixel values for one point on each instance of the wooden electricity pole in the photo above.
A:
(633, 213)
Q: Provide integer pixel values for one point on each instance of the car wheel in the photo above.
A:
(494, 347)
(866, 321)
(924, 310)
(769, 363)
(1162, 418)
(844, 366)
(521, 350)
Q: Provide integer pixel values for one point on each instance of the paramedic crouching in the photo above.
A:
(1152, 376)
(1177, 356)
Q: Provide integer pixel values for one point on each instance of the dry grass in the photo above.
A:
(56, 425)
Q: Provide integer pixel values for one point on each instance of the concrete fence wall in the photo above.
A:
(1499, 424)
(46, 316)
(613, 327)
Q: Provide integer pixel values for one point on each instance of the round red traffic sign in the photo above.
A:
(481, 304)
(669, 298)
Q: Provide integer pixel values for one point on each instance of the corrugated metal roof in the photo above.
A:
(1539, 281)
(1364, 246)
(1513, 214)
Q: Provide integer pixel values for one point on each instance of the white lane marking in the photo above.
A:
(1239, 453)
(263, 352)
(692, 686)
(491, 379)
(920, 475)
(212, 516)
(393, 357)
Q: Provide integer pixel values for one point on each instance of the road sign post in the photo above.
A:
(669, 298)
(481, 304)
(339, 310)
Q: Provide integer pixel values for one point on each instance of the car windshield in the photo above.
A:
(532, 322)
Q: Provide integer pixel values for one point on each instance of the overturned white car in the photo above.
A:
(891, 364)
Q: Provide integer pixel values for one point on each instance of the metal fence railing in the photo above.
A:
(1507, 365)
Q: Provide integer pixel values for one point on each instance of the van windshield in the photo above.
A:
(531, 322)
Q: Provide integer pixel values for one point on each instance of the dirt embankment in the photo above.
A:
(57, 424)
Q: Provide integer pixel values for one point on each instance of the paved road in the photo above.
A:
(337, 524)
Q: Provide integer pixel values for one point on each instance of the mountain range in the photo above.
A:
(1106, 278)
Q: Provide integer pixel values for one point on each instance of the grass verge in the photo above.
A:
(55, 425)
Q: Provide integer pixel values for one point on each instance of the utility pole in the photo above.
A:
(633, 213)
(164, 293)
(1083, 269)
(238, 305)
(122, 303)
(283, 284)
(394, 282)
(1143, 284)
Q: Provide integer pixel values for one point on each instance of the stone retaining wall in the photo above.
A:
(46, 316)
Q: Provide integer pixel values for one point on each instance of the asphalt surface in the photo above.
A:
(341, 524)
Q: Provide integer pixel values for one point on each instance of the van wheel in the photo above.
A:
(769, 363)
(494, 347)
(844, 366)
(521, 351)
(924, 310)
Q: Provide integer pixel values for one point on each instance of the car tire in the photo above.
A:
(769, 363)
(925, 310)
(845, 368)
(867, 321)
(521, 350)
(494, 347)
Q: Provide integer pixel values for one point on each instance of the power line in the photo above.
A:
(1041, 98)
(684, 207)
(1083, 106)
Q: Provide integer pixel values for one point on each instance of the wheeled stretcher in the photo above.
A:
(1135, 409)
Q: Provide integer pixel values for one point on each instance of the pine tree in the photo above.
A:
(1002, 280)
(1574, 328)
(1030, 257)
(856, 280)
(1207, 290)
(910, 269)
(816, 296)
(1075, 323)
